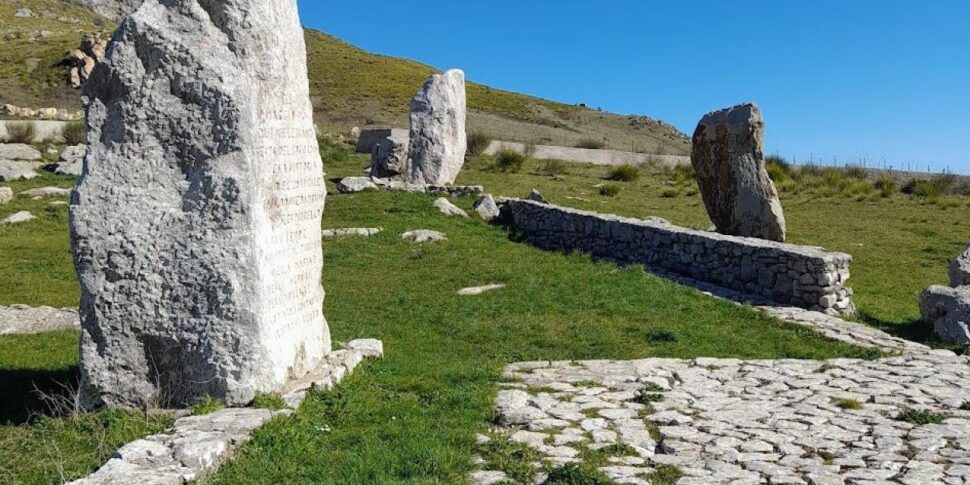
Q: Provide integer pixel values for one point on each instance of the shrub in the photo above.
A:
(477, 143)
(778, 168)
(683, 173)
(509, 161)
(850, 404)
(922, 188)
(886, 185)
(670, 193)
(573, 474)
(74, 133)
(624, 173)
(610, 190)
(590, 144)
(272, 402)
(553, 167)
(856, 172)
(918, 417)
(206, 405)
(664, 475)
(21, 132)
(812, 170)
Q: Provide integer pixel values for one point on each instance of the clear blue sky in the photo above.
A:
(885, 80)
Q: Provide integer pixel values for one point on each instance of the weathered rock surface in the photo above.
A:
(350, 231)
(22, 319)
(960, 270)
(6, 195)
(536, 196)
(11, 171)
(19, 151)
(728, 157)
(948, 310)
(423, 236)
(478, 290)
(487, 208)
(80, 62)
(438, 141)
(46, 192)
(447, 208)
(112, 9)
(389, 158)
(71, 161)
(353, 185)
(200, 274)
(22, 216)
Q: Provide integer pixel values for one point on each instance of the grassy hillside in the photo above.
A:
(349, 87)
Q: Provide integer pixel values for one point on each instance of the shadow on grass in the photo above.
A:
(22, 393)
(912, 330)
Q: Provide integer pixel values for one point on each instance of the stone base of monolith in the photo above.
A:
(196, 221)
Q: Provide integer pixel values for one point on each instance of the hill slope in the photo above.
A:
(350, 87)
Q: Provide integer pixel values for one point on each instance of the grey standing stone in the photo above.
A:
(728, 157)
(389, 158)
(196, 228)
(487, 208)
(536, 196)
(948, 311)
(960, 270)
(438, 141)
(6, 195)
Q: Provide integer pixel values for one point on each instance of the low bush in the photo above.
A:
(683, 173)
(856, 172)
(610, 190)
(919, 417)
(74, 133)
(21, 132)
(886, 185)
(553, 167)
(206, 405)
(477, 143)
(624, 173)
(590, 144)
(272, 402)
(670, 193)
(509, 161)
(922, 188)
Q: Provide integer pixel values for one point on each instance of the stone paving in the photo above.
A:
(745, 422)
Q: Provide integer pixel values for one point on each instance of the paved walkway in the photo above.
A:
(738, 422)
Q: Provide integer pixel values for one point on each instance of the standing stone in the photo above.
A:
(6, 195)
(729, 160)
(960, 270)
(196, 223)
(948, 311)
(438, 141)
(389, 159)
(487, 208)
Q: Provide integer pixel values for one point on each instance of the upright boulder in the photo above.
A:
(389, 158)
(948, 311)
(438, 141)
(728, 158)
(196, 221)
(960, 270)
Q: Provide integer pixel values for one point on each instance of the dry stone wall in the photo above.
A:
(799, 276)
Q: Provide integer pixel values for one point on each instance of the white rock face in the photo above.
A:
(447, 208)
(10, 171)
(487, 208)
(438, 140)
(22, 216)
(948, 311)
(6, 195)
(423, 236)
(353, 185)
(196, 225)
(71, 161)
(960, 270)
(729, 160)
(19, 151)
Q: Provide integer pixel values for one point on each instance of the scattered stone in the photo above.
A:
(71, 161)
(81, 62)
(948, 310)
(449, 209)
(478, 290)
(389, 158)
(437, 139)
(423, 236)
(23, 13)
(6, 195)
(57, 203)
(353, 185)
(207, 195)
(19, 217)
(960, 270)
(728, 157)
(22, 319)
(487, 208)
(46, 192)
(488, 478)
(351, 231)
(19, 151)
(536, 196)
(448, 190)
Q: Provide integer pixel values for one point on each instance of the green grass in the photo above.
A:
(847, 404)
(207, 405)
(919, 417)
(412, 417)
